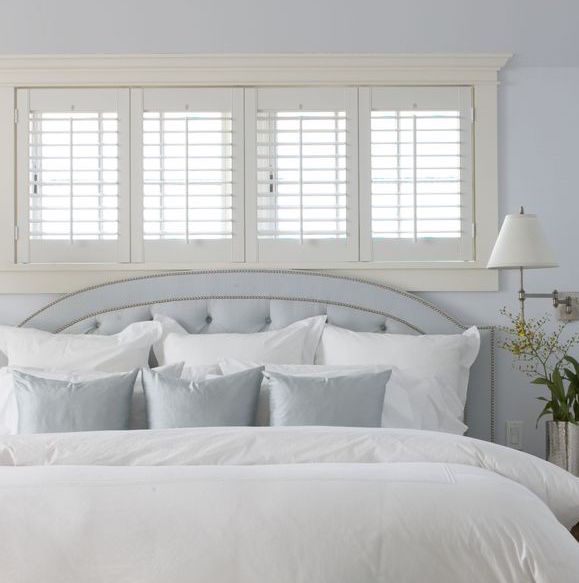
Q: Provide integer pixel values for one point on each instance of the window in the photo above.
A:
(189, 189)
(420, 165)
(133, 164)
(73, 203)
(305, 173)
(227, 174)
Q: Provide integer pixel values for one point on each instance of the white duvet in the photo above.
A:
(276, 505)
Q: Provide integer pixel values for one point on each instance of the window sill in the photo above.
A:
(65, 278)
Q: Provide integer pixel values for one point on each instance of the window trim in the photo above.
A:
(124, 71)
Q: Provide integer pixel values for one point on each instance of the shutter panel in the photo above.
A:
(306, 174)
(420, 164)
(192, 175)
(72, 184)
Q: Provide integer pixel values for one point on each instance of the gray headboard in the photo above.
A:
(243, 300)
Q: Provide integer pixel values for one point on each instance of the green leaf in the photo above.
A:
(540, 381)
(544, 412)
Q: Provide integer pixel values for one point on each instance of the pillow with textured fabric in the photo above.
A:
(351, 400)
(228, 400)
(416, 398)
(52, 406)
(9, 406)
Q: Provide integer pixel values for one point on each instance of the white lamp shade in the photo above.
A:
(521, 243)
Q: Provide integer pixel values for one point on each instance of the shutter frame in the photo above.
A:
(75, 249)
(311, 247)
(189, 101)
(431, 249)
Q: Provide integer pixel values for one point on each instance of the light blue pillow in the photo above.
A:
(53, 406)
(352, 400)
(229, 400)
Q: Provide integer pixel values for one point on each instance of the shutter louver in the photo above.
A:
(187, 164)
(74, 178)
(301, 175)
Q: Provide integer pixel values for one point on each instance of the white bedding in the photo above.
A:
(281, 505)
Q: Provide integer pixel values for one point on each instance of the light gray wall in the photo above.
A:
(538, 125)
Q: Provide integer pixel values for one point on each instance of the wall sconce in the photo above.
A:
(521, 245)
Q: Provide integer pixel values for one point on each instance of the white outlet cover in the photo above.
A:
(515, 434)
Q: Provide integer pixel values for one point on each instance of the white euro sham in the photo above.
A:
(296, 343)
(127, 350)
(430, 372)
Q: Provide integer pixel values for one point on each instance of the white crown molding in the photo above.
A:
(249, 69)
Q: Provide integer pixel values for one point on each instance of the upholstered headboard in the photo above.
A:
(208, 302)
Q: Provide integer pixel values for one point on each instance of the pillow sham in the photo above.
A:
(296, 343)
(230, 366)
(129, 349)
(229, 400)
(52, 406)
(415, 399)
(351, 400)
(432, 370)
(9, 405)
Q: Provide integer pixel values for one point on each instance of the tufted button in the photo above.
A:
(267, 320)
(383, 327)
(97, 324)
(209, 319)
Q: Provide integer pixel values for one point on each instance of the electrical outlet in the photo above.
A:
(562, 314)
(515, 434)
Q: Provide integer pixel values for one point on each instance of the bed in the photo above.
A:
(255, 504)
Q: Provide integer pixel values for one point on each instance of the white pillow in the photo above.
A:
(127, 350)
(428, 386)
(294, 344)
(9, 405)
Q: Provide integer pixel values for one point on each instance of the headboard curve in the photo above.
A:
(252, 300)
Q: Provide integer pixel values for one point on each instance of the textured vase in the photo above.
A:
(563, 445)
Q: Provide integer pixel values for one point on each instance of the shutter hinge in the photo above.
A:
(472, 115)
(474, 230)
(16, 232)
(16, 116)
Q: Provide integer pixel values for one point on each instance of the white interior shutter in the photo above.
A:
(188, 189)
(420, 185)
(73, 183)
(305, 167)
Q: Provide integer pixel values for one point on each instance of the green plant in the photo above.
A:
(543, 356)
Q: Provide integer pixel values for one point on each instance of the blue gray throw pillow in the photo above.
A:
(53, 406)
(352, 400)
(229, 400)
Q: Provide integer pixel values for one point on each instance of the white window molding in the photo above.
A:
(478, 72)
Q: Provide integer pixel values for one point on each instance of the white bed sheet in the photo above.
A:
(281, 504)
